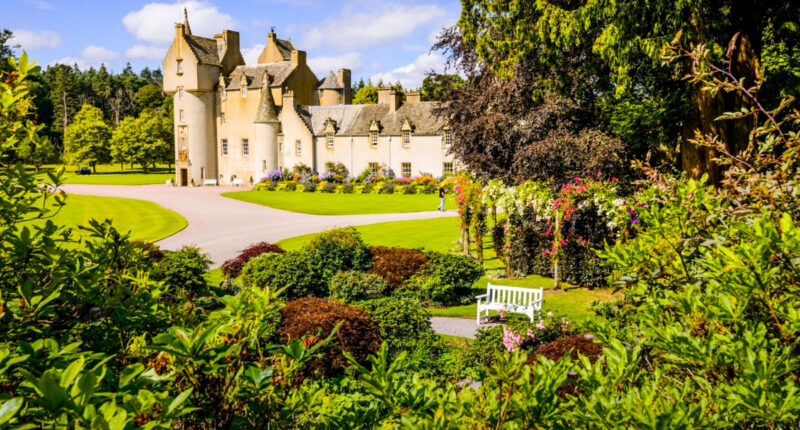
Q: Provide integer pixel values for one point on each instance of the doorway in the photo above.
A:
(184, 177)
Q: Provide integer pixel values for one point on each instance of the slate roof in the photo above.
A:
(355, 119)
(278, 72)
(267, 112)
(203, 48)
(329, 83)
(285, 47)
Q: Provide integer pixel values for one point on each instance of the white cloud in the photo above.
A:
(251, 54)
(321, 65)
(145, 51)
(91, 56)
(35, 39)
(411, 75)
(155, 22)
(351, 31)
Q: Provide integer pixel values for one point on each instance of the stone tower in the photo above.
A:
(267, 127)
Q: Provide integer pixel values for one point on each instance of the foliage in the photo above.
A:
(336, 250)
(337, 168)
(233, 267)
(354, 286)
(445, 279)
(395, 265)
(311, 316)
(367, 94)
(435, 87)
(402, 321)
(87, 139)
(289, 271)
(183, 270)
(146, 140)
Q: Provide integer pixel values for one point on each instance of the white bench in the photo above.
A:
(209, 182)
(237, 182)
(518, 300)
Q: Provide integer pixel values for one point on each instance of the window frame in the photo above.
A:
(403, 166)
(224, 147)
(244, 91)
(329, 140)
(245, 147)
(373, 166)
(447, 139)
(180, 93)
(182, 115)
(406, 139)
(445, 170)
(298, 147)
(179, 67)
(373, 139)
(222, 118)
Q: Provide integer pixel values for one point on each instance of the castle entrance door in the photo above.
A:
(184, 177)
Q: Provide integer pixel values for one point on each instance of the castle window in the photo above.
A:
(222, 118)
(373, 167)
(244, 92)
(298, 147)
(329, 139)
(180, 93)
(245, 148)
(183, 117)
(373, 138)
(447, 168)
(264, 165)
(224, 147)
(448, 139)
(406, 139)
(406, 168)
(183, 143)
(180, 66)
(223, 93)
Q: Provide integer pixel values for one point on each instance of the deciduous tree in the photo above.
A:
(87, 139)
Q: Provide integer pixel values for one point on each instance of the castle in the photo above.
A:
(236, 122)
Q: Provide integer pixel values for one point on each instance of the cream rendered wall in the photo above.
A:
(239, 115)
(294, 129)
(199, 131)
(425, 153)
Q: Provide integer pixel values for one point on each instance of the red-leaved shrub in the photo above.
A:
(572, 345)
(233, 267)
(395, 265)
(357, 335)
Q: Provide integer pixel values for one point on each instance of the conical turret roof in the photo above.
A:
(267, 112)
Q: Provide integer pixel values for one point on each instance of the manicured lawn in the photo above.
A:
(145, 220)
(341, 204)
(436, 234)
(112, 174)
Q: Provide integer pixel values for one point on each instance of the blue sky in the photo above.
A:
(377, 39)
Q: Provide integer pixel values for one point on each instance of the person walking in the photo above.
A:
(441, 198)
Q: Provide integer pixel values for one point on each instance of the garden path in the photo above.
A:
(222, 227)
(463, 327)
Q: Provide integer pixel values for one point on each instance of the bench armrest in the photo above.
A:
(482, 296)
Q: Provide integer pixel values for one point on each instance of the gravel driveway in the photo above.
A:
(222, 227)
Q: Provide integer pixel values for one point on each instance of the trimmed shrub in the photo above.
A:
(396, 265)
(446, 279)
(233, 267)
(336, 250)
(313, 316)
(289, 270)
(402, 321)
(183, 269)
(487, 342)
(572, 345)
(353, 286)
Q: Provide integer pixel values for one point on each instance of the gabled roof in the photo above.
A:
(204, 49)
(329, 83)
(356, 119)
(285, 47)
(278, 72)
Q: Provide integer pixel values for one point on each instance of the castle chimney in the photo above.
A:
(414, 97)
(288, 99)
(343, 79)
(298, 58)
(388, 95)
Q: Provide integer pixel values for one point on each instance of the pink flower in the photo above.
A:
(502, 314)
(511, 340)
(613, 179)
(599, 174)
(540, 326)
(549, 230)
(577, 180)
(549, 315)
(562, 242)
(531, 335)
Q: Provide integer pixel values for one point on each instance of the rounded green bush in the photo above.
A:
(354, 286)
(401, 321)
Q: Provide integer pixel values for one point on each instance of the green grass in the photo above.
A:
(110, 174)
(341, 204)
(435, 234)
(145, 220)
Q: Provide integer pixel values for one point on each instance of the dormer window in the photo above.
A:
(330, 131)
(373, 139)
(406, 139)
(406, 130)
(447, 139)
(180, 66)
(329, 139)
(374, 129)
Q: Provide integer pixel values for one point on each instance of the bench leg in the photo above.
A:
(479, 316)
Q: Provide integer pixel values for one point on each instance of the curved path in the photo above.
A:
(222, 227)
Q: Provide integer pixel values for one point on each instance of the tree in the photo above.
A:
(145, 140)
(6, 50)
(434, 87)
(616, 48)
(38, 152)
(368, 94)
(149, 96)
(87, 138)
